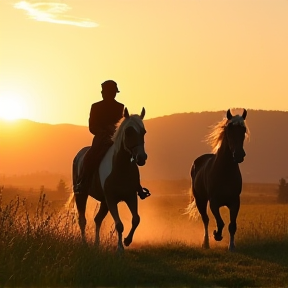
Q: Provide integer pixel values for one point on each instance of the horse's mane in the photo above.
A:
(133, 120)
(215, 138)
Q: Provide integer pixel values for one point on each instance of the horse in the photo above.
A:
(216, 176)
(117, 178)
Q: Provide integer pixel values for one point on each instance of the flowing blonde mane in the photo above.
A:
(215, 138)
(134, 121)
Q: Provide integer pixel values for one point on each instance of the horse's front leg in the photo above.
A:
(214, 206)
(103, 210)
(234, 209)
(133, 206)
(112, 205)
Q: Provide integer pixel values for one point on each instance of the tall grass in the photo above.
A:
(41, 246)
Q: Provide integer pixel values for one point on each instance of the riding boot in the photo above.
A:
(143, 192)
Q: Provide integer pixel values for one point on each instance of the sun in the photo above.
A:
(12, 107)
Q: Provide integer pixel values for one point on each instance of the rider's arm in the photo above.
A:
(95, 121)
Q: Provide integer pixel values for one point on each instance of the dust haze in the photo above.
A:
(162, 221)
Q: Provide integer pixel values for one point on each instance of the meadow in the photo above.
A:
(40, 244)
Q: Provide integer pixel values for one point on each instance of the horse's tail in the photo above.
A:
(70, 203)
(192, 209)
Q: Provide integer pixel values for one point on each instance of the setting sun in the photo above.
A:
(12, 107)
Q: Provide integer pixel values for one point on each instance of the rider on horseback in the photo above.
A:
(104, 115)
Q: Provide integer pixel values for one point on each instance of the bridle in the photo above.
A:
(131, 150)
(230, 142)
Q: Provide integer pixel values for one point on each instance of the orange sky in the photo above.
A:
(169, 56)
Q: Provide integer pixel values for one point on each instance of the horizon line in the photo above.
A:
(16, 121)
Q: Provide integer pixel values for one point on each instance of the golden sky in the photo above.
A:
(169, 56)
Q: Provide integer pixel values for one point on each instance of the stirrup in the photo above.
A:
(144, 193)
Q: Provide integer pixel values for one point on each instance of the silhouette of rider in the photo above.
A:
(104, 115)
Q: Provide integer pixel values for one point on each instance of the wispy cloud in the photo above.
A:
(53, 12)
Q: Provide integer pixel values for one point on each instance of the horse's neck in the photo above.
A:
(121, 159)
(224, 155)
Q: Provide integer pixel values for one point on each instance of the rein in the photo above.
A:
(130, 150)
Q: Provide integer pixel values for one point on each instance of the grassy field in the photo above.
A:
(40, 245)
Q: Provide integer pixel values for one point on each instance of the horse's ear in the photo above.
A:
(229, 115)
(142, 113)
(126, 113)
(244, 114)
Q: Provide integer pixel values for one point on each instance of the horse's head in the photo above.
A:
(235, 132)
(134, 137)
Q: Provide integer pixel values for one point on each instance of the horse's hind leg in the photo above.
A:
(103, 210)
(201, 200)
(220, 224)
(202, 208)
(133, 206)
(234, 209)
(81, 201)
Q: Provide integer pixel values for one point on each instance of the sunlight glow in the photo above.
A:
(12, 107)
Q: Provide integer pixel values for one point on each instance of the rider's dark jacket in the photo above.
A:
(104, 115)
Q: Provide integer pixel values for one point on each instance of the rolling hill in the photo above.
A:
(172, 143)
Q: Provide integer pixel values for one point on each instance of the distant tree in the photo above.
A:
(62, 187)
(283, 191)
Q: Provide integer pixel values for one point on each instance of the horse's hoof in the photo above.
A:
(205, 246)
(127, 242)
(231, 248)
(217, 236)
(120, 250)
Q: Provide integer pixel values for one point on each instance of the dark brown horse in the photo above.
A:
(216, 177)
(117, 179)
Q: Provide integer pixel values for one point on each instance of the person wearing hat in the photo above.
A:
(104, 115)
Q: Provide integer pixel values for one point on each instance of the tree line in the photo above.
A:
(283, 191)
